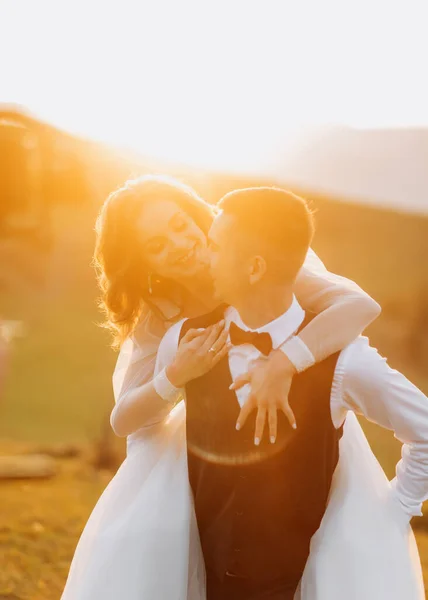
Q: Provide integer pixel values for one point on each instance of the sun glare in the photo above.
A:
(225, 86)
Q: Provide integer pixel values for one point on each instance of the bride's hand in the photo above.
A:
(198, 352)
(270, 380)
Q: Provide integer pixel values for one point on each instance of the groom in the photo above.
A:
(259, 505)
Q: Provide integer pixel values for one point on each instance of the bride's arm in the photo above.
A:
(343, 311)
(137, 402)
(150, 373)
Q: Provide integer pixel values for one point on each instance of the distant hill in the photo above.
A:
(386, 167)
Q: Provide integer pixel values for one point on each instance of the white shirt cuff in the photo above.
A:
(165, 389)
(298, 353)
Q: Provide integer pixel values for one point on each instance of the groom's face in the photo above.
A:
(231, 264)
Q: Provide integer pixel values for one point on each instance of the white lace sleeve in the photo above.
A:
(168, 347)
(136, 361)
(137, 401)
(318, 289)
(343, 309)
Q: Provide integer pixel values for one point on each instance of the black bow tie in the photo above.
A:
(262, 341)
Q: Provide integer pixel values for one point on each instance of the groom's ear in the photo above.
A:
(257, 268)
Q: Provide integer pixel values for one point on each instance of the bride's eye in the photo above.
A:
(155, 246)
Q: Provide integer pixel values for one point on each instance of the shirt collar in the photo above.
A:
(280, 329)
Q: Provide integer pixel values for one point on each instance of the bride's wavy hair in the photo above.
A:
(127, 288)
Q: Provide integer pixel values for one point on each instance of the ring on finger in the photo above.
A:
(212, 350)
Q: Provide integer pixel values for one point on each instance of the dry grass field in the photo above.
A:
(40, 523)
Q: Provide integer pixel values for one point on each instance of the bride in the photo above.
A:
(151, 258)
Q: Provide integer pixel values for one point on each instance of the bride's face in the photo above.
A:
(173, 246)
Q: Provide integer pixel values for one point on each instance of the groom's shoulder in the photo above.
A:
(176, 331)
(204, 320)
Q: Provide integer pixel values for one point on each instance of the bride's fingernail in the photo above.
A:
(272, 439)
(238, 427)
(294, 426)
(256, 441)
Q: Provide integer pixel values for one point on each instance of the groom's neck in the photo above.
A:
(262, 306)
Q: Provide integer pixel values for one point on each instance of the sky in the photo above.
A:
(223, 84)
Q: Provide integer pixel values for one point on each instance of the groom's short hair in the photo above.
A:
(282, 221)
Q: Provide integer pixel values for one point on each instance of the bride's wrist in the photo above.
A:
(173, 374)
(298, 354)
(283, 362)
(165, 388)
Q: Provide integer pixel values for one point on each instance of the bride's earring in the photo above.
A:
(149, 281)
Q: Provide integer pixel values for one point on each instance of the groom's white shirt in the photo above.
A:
(363, 383)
